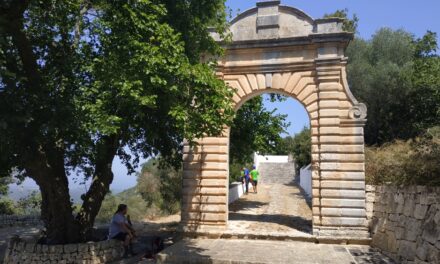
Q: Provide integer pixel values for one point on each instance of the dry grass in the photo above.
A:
(412, 162)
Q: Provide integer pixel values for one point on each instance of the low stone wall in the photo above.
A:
(18, 220)
(235, 191)
(405, 222)
(94, 253)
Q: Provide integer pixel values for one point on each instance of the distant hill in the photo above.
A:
(16, 192)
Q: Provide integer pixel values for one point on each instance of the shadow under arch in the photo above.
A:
(287, 210)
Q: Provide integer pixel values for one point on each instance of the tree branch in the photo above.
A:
(11, 21)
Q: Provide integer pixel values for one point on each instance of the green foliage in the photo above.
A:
(7, 206)
(137, 207)
(350, 24)
(404, 71)
(29, 205)
(84, 81)
(235, 171)
(160, 186)
(299, 146)
(4, 184)
(411, 162)
(255, 129)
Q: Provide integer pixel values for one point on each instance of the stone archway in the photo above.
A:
(280, 49)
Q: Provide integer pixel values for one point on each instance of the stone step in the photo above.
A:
(235, 251)
(276, 172)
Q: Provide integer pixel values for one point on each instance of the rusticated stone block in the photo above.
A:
(407, 249)
(420, 211)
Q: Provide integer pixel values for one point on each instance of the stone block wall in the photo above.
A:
(91, 253)
(18, 220)
(405, 222)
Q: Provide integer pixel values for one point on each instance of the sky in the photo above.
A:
(414, 16)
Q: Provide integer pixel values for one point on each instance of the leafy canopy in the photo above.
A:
(83, 81)
(256, 129)
(404, 71)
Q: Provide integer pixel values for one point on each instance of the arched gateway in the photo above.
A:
(280, 49)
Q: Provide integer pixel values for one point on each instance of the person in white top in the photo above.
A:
(121, 230)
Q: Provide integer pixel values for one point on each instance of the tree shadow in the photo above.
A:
(302, 194)
(245, 204)
(294, 222)
(368, 256)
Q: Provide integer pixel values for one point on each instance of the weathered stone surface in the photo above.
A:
(420, 211)
(413, 229)
(412, 224)
(407, 249)
(23, 252)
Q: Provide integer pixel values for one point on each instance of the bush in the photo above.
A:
(29, 205)
(412, 162)
(7, 206)
(160, 187)
(137, 207)
(300, 147)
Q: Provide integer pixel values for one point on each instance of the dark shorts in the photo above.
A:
(120, 236)
(254, 182)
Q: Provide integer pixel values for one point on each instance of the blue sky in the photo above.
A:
(413, 16)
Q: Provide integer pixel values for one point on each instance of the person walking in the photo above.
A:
(246, 177)
(254, 177)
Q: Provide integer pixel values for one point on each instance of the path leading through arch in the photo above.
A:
(279, 208)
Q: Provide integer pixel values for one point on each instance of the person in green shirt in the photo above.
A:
(254, 176)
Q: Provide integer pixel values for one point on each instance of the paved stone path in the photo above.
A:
(260, 251)
(277, 209)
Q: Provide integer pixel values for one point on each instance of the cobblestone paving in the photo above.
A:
(277, 208)
(260, 251)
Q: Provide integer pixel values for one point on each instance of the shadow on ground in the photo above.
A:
(302, 194)
(295, 222)
(235, 207)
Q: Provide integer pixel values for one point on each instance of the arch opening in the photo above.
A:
(280, 206)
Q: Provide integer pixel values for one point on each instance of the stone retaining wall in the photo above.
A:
(18, 220)
(94, 253)
(405, 222)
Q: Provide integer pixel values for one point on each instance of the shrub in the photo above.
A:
(137, 207)
(7, 206)
(412, 162)
(160, 187)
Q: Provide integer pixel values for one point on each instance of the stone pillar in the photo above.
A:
(337, 153)
(205, 185)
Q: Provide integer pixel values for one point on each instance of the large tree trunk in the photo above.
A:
(100, 186)
(56, 207)
(56, 212)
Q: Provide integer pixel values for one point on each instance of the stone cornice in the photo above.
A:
(268, 68)
(341, 37)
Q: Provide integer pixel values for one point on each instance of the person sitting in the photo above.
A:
(120, 229)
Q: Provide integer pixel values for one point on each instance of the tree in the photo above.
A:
(404, 71)
(350, 24)
(160, 186)
(6, 204)
(83, 81)
(29, 205)
(255, 129)
(300, 147)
